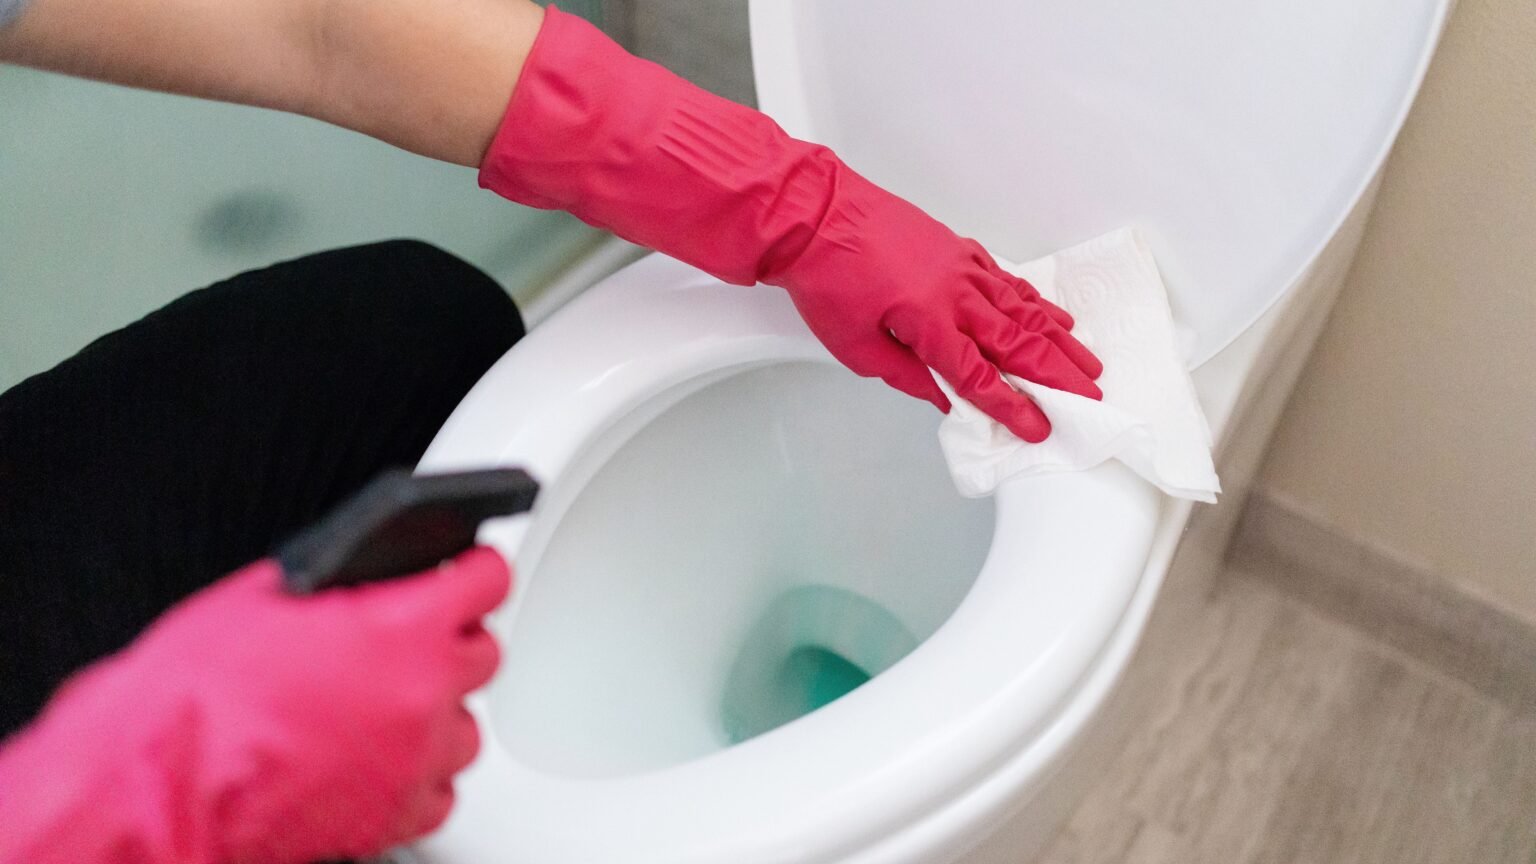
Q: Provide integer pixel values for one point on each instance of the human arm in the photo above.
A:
(622, 144)
(431, 78)
(628, 146)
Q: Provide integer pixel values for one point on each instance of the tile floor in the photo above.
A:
(1290, 737)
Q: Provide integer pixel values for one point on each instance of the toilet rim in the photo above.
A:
(936, 723)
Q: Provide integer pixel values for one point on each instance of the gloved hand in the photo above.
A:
(628, 146)
(250, 725)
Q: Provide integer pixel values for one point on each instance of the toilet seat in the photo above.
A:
(922, 759)
(990, 681)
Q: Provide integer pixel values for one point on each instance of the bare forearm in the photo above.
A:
(431, 77)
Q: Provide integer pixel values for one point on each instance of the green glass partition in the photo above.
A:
(115, 201)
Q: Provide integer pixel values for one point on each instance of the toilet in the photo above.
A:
(753, 620)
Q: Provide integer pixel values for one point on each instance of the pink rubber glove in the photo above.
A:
(628, 146)
(247, 725)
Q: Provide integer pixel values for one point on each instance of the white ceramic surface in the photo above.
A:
(1164, 116)
(1237, 136)
(652, 337)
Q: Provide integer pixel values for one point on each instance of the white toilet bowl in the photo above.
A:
(690, 484)
(734, 531)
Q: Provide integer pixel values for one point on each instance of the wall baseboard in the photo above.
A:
(1404, 605)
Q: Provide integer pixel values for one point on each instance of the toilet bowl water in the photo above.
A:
(757, 550)
(814, 645)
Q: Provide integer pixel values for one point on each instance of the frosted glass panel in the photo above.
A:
(114, 201)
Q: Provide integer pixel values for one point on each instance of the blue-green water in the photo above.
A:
(814, 645)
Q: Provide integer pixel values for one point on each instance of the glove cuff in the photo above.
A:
(628, 146)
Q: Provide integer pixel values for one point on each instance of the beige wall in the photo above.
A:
(1414, 426)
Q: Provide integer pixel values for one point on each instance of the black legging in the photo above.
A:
(171, 452)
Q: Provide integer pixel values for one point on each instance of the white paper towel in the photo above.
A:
(1150, 418)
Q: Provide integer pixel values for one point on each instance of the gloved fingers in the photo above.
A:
(1025, 353)
(961, 363)
(483, 580)
(1075, 351)
(477, 654)
(1020, 288)
(1042, 316)
(1062, 317)
(1027, 312)
(431, 800)
(436, 803)
(1035, 315)
(886, 358)
(461, 742)
(459, 592)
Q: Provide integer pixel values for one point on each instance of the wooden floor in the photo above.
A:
(1288, 737)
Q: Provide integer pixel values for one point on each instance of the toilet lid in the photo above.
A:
(1237, 136)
